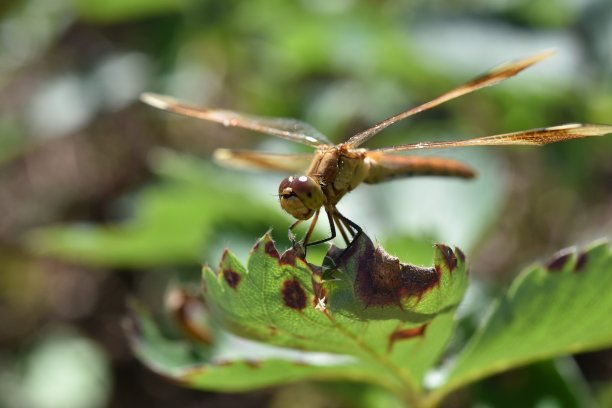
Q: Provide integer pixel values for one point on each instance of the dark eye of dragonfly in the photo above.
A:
(300, 196)
(303, 186)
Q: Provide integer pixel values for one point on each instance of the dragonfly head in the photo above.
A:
(300, 196)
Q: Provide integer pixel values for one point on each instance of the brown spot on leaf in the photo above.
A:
(581, 262)
(405, 334)
(558, 261)
(223, 256)
(294, 295)
(317, 284)
(273, 329)
(381, 278)
(449, 257)
(271, 249)
(288, 257)
(231, 277)
(222, 261)
(252, 363)
(417, 280)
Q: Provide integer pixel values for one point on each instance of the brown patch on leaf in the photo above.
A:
(317, 285)
(271, 249)
(558, 261)
(405, 334)
(581, 262)
(273, 329)
(294, 295)
(252, 363)
(231, 277)
(288, 257)
(449, 257)
(382, 279)
(223, 256)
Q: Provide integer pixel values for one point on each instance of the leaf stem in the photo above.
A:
(410, 392)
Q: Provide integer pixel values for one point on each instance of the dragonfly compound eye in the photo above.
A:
(300, 196)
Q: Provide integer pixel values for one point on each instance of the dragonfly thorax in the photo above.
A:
(300, 196)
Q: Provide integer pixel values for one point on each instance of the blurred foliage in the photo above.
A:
(77, 180)
(112, 11)
(182, 208)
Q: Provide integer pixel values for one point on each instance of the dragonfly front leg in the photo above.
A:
(329, 213)
(315, 218)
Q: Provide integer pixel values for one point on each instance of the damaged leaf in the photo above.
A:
(375, 308)
(377, 320)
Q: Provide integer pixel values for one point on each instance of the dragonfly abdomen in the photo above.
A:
(384, 167)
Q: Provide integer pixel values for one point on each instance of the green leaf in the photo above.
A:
(559, 308)
(376, 320)
(393, 315)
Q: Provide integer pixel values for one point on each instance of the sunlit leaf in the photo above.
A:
(376, 320)
(561, 307)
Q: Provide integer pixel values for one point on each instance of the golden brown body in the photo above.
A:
(339, 169)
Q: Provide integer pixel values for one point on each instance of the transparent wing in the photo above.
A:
(249, 159)
(534, 137)
(290, 129)
(490, 78)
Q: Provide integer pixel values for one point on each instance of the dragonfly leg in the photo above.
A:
(340, 225)
(311, 227)
(335, 219)
(329, 213)
(347, 224)
(354, 229)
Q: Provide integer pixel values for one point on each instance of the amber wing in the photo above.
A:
(532, 137)
(290, 129)
(490, 78)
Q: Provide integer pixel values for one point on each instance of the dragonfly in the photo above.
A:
(321, 179)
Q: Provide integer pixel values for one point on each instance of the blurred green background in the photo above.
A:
(102, 197)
